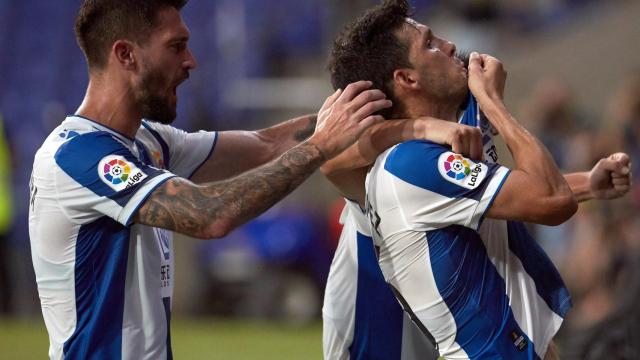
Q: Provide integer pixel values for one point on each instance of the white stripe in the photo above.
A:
(141, 194)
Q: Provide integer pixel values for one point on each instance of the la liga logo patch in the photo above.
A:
(461, 171)
(457, 167)
(118, 173)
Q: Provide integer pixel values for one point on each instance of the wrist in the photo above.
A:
(317, 149)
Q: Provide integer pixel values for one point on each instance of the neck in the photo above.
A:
(111, 104)
(419, 107)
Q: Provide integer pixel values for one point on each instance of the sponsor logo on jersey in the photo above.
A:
(461, 171)
(519, 341)
(118, 173)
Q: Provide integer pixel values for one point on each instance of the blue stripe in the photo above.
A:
(540, 268)
(166, 301)
(416, 162)
(165, 148)
(470, 116)
(80, 158)
(102, 249)
(474, 292)
(213, 146)
(378, 316)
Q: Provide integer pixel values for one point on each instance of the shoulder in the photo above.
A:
(436, 168)
(89, 145)
(415, 161)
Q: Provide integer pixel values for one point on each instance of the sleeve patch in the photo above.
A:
(461, 171)
(118, 173)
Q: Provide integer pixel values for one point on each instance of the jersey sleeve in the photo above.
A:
(97, 176)
(183, 152)
(436, 187)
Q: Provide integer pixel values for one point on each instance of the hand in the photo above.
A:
(345, 115)
(611, 177)
(463, 139)
(487, 77)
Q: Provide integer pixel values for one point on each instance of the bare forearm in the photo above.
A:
(579, 184)
(288, 134)
(212, 210)
(374, 142)
(530, 156)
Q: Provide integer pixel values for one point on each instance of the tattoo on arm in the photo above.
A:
(304, 134)
(213, 209)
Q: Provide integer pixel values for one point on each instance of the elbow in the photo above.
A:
(215, 230)
(559, 209)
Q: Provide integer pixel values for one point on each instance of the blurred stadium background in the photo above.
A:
(574, 79)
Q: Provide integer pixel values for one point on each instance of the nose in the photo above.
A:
(451, 48)
(190, 62)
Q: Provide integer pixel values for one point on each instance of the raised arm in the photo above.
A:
(347, 171)
(263, 145)
(535, 191)
(212, 210)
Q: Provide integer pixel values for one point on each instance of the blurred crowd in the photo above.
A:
(598, 250)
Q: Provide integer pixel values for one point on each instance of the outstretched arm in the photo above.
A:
(255, 147)
(214, 209)
(610, 178)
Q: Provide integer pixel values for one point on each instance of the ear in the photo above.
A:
(406, 79)
(122, 51)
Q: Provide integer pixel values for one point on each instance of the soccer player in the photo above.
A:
(480, 288)
(108, 188)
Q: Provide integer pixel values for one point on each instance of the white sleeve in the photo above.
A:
(96, 175)
(183, 152)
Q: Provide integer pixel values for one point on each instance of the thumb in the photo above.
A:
(475, 61)
(614, 166)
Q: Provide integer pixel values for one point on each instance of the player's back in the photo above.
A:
(362, 319)
(482, 287)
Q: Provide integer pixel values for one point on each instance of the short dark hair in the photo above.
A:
(100, 23)
(369, 49)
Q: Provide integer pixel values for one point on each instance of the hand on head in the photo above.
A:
(345, 115)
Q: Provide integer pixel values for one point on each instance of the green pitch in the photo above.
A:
(202, 339)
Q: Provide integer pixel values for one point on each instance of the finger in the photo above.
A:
(475, 61)
(622, 188)
(331, 99)
(622, 158)
(614, 166)
(476, 149)
(353, 89)
(371, 108)
(368, 122)
(621, 181)
(456, 145)
(365, 97)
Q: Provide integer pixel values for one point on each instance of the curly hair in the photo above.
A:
(368, 49)
(100, 23)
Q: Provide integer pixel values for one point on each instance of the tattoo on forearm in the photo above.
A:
(194, 210)
(304, 134)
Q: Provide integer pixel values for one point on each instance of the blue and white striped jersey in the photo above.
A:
(361, 317)
(105, 283)
(482, 287)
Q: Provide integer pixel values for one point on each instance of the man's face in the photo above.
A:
(442, 75)
(165, 61)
